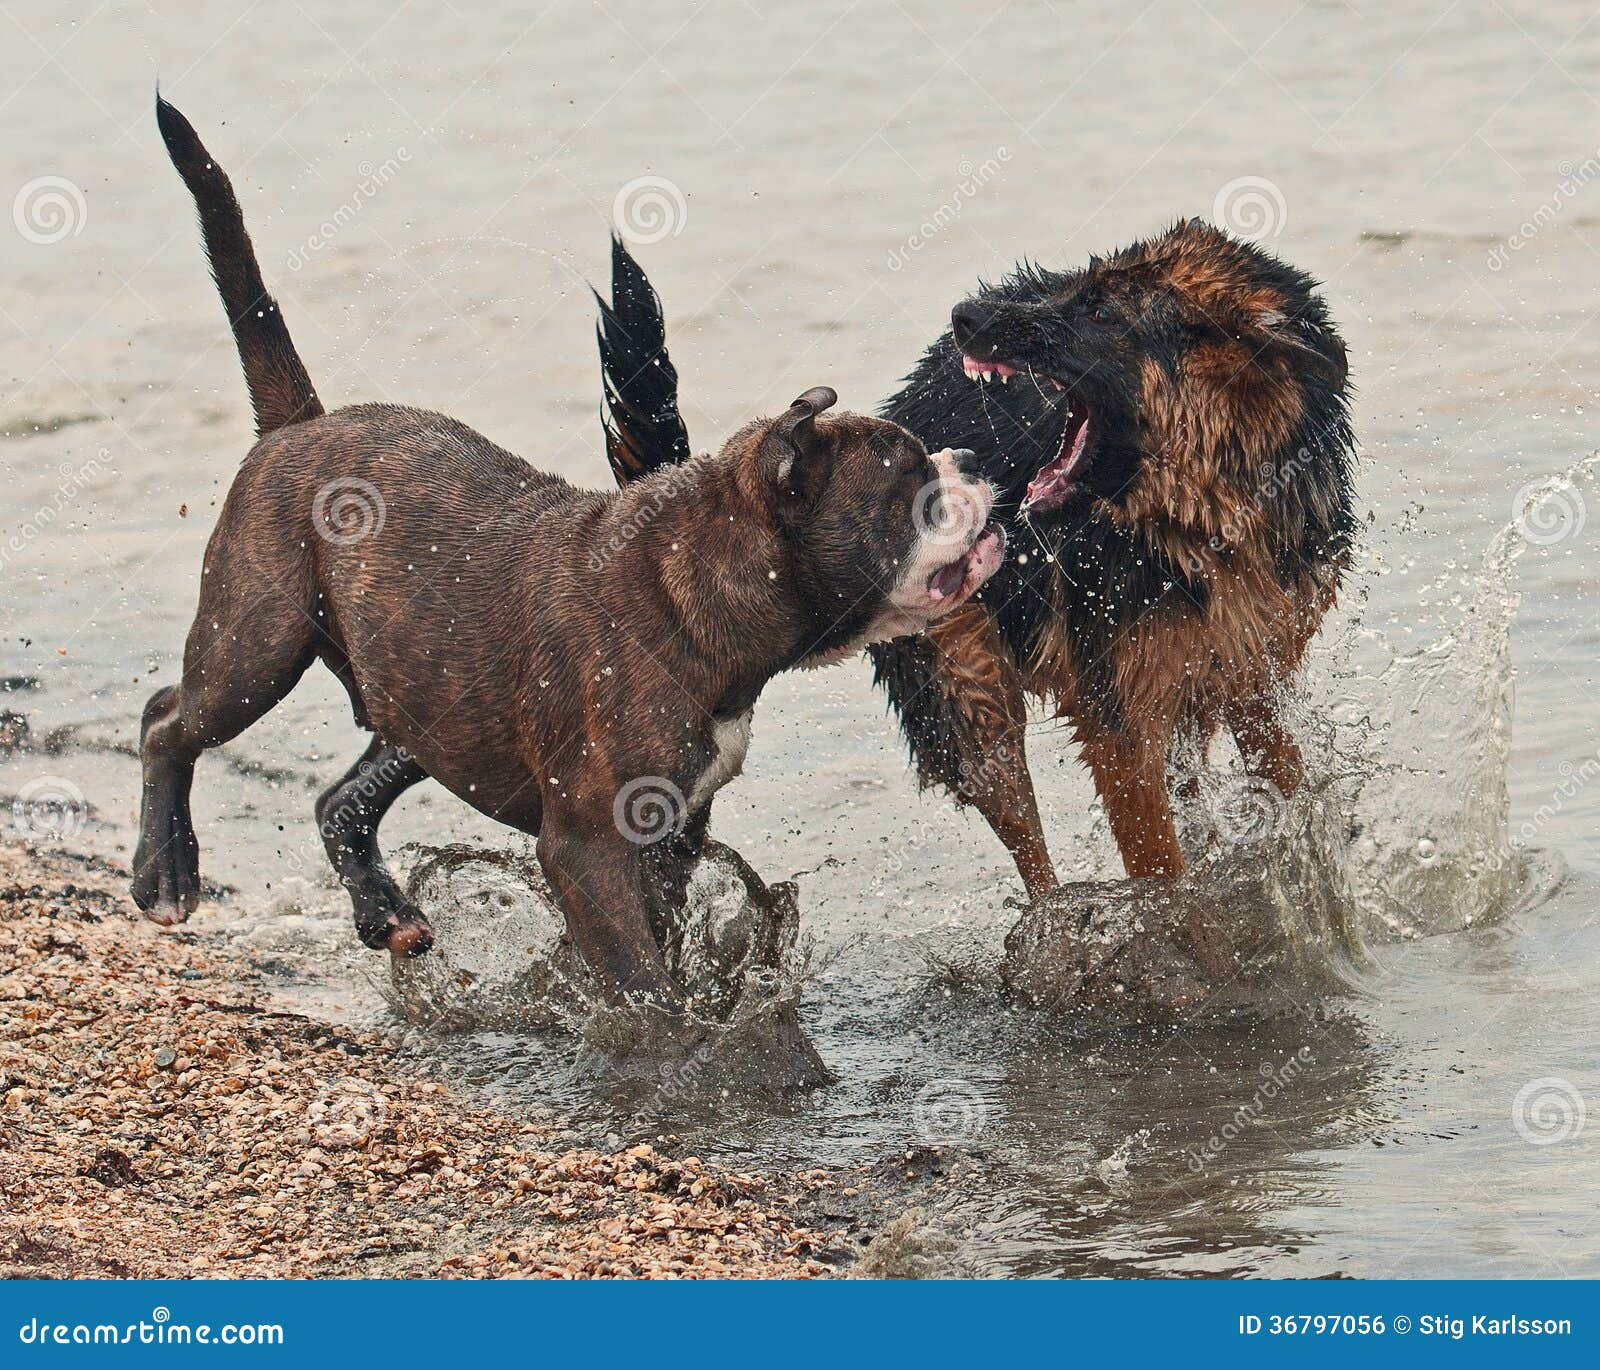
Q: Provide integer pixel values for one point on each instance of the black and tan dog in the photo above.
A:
(1169, 427)
(578, 665)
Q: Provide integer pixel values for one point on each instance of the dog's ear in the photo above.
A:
(1313, 344)
(799, 453)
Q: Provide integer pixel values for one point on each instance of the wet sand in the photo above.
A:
(159, 1118)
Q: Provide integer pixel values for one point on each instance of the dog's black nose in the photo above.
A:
(966, 461)
(966, 318)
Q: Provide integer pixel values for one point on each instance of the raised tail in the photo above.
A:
(280, 389)
(644, 430)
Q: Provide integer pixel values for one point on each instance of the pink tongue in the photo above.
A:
(1052, 478)
(1058, 474)
(947, 580)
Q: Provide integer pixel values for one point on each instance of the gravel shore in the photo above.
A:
(158, 1118)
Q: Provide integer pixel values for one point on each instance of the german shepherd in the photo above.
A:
(1169, 431)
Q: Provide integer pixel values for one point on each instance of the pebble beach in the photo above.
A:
(161, 1118)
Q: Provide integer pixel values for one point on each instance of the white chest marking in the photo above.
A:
(730, 740)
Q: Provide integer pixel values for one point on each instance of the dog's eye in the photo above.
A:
(1103, 313)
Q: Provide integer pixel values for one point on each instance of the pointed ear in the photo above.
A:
(799, 450)
(1315, 345)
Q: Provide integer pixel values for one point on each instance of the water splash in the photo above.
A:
(1427, 732)
(503, 961)
(1401, 828)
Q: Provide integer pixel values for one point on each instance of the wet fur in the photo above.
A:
(544, 652)
(1177, 592)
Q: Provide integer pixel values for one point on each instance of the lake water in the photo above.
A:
(811, 188)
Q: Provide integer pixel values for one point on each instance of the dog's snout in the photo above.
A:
(967, 319)
(966, 462)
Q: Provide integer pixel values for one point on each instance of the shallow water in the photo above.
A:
(1432, 1122)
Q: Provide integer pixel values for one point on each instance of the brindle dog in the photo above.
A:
(581, 666)
(1169, 427)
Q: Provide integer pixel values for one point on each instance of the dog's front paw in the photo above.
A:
(394, 925)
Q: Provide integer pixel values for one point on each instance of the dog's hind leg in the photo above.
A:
(166, 864)
(240, 660)
(963, 713)
(1268, 748)
(348, 814)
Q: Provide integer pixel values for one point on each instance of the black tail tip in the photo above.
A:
(624, 265)
(176, 131)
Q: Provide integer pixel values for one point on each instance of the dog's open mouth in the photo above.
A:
(1056, 482)
(957, 581)
(1060, 478)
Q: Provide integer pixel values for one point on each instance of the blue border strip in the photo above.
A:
(811, 1325)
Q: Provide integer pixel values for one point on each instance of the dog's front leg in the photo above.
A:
(1130, 772)
(598, 880)
(665, 868)
(1130, 775)
(963, 713)
(348, 814)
